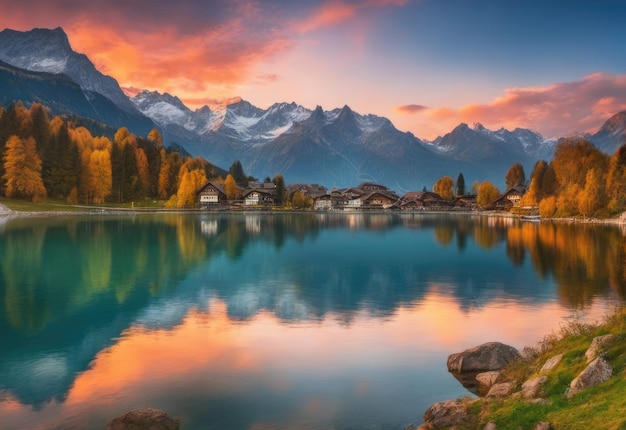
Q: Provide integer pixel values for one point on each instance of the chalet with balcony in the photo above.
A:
(212, 194)
(258, 197)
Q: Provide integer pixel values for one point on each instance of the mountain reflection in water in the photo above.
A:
(300, 319)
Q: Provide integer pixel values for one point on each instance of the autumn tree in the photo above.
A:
(143, 171)
(168, 173)
(592, 196)
(567, 200)
(230, 187)
(487, 194)
(22, 170)
(301, 200)
(444, 187)
(615, 188)
(460, 185)
(100, 175)
(573, 158)
(190, 183)
(515, 176)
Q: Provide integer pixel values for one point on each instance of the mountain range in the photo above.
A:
(338, 147)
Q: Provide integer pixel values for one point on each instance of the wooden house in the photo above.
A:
(211, 194)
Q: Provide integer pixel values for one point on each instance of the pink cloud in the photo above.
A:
(410, 109)
(555, 110)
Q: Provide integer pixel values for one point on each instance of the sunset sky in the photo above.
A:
(556, 67)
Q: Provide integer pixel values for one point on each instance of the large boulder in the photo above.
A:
(598, 371)
(491, 356)
(144, 419)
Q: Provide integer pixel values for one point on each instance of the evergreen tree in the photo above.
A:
(61, 164)
(236, 170)
(460, 185)
(279, 181)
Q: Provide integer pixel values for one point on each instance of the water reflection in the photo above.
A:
(170, 284)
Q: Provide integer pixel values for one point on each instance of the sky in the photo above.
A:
(556, 67)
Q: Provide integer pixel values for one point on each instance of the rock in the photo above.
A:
(543, 425)
(144, 419)
(501, 390)
(551, 363)
(530, 388)
(596, 347)
(485, 380)
(598, 371)
(465, 365)
(410, 427)
(446, 414)
(491, 425)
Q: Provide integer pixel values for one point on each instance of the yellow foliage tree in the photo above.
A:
(487, 194)
(230, 186)
(143, 169)
(444, 187)
(591, 197)
(567, 201)
(101, 179)
(22, 169)
(190, 183)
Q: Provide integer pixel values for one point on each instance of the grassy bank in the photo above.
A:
(599, 407)
(50, 205)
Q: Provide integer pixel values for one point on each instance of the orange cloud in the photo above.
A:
(555, 110)
(336, 12)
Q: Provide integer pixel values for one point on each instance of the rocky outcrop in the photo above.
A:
(598, 371)
(503, 389)
(485, 380)
(597, 346)
(551, 363)
(144, 419)
(445, 414)
(531, 389)
(487, 357)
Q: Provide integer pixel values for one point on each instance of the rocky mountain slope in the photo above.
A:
(49, 51)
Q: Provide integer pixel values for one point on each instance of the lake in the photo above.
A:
(278, 321)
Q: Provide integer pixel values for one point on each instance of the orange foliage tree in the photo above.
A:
(22, 169)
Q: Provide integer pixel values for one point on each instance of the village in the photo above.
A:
(367, 196)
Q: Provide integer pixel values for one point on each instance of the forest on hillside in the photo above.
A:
(57, 158)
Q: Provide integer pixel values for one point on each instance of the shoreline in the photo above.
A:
(6, 212)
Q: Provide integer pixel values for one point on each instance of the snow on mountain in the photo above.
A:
(44, 50)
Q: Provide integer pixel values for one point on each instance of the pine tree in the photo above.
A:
(279, 181)
(460, 185)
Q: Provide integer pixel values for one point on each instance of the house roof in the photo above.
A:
(214, 184)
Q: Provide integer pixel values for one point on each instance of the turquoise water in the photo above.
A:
(254, 321)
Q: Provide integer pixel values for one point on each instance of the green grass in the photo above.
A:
(600, 407)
